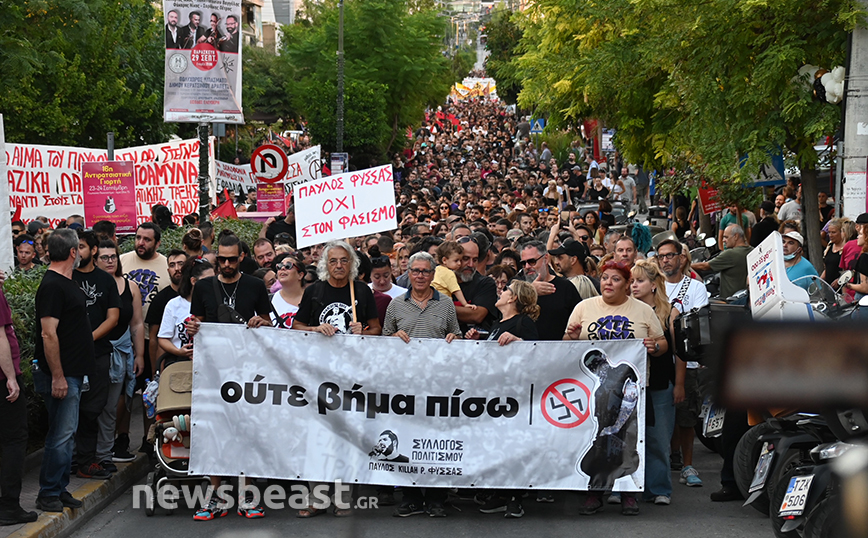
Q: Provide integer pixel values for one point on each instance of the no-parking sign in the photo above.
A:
(269, 163)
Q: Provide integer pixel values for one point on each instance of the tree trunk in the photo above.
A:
(394, 134)
(811, 218)
(705, 223)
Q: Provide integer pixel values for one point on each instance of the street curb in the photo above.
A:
(95, 495)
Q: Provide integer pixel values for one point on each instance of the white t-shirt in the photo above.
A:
(287, 311)
(394, 291)
(174, 324)
(696, 297)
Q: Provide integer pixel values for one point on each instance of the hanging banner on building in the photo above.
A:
(110, 194)
(302, 406)
(203, 61)
(46, 180)
(338, 206)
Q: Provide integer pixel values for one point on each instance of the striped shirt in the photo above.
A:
(436, 320)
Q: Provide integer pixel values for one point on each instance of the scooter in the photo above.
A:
(807, 497)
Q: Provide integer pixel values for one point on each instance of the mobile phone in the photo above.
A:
(565, 218)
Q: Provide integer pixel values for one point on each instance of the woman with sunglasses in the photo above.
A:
(173, 338)
(290, 274)
(519, 312)
(614, 316)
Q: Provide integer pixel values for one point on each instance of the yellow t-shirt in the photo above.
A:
(445, 281)
(600, 321)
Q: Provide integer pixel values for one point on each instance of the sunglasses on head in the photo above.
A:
(381, 261)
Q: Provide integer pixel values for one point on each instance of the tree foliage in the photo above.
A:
(267, 88)
(504, 37)
(390, 46)
(74, 70)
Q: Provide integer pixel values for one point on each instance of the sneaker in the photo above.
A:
(407, 508)
(93, 470)
(544, 497)
(250, 510)
(212, 511)
(675, 461)
(726, 493)
(109, 466)
(147, 448)
(49, 504)
(495, 504)
(16, 515)
(629, 505)
(592, 504)
(690, 476)
(121, 449)
(436, 510)
(662, 500)
(614, 498)
(513, 509)
(386, 498)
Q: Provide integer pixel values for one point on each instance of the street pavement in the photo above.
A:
(691, 515)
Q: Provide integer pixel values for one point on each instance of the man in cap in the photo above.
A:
(570, 259)
(796, 265)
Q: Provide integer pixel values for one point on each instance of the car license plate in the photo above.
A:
(796, 496)
(714, 421)
(761, 473)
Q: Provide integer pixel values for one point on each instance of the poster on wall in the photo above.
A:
(110, 194)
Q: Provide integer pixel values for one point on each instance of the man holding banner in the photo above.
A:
(422, 312)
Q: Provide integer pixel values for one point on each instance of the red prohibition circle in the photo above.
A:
(262, 156)
(553, 391)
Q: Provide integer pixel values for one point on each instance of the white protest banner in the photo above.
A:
(354, 203)
(374, 410)
(46, 180)
(235, 177)
(203, 61)
(304, 166)
(7, 258)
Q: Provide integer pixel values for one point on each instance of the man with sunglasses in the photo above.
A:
(25, 250)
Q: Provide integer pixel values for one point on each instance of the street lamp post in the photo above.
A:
(339, 134)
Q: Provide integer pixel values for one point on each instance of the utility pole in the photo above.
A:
(204, 187)
(339, 130)
(856, 124)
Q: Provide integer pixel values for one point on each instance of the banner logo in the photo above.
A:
(566, 403)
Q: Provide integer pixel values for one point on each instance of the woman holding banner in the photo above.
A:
(613, 316)
(518, 313)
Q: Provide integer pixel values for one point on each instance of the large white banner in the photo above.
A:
(303, 166)
(374, 410)
(46, 180)
(203, 61)
(342, 205)
(7, 259)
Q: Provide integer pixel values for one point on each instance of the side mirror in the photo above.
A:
(710, 242)
(688, 233)
(863, 302)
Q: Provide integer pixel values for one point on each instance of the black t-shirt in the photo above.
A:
(761, 230)
(247, 296)
(555, 309)
(101, 293)
(520, 326)
(158, 305)
(481, 291)
(126, 313)
(594, 194)
(60, 297)
(861, 268)
(279, 226)
(323, 303)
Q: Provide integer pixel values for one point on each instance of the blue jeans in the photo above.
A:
(59, 442)
(658, 476)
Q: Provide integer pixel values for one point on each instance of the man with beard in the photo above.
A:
(176, 260)
(229, 42)
(189, 35)
(172, 41)
(103, 311)
(249, 298)
(478, 290)
(64, 355)
(685, 294)
(556, 296)
(147, 268)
